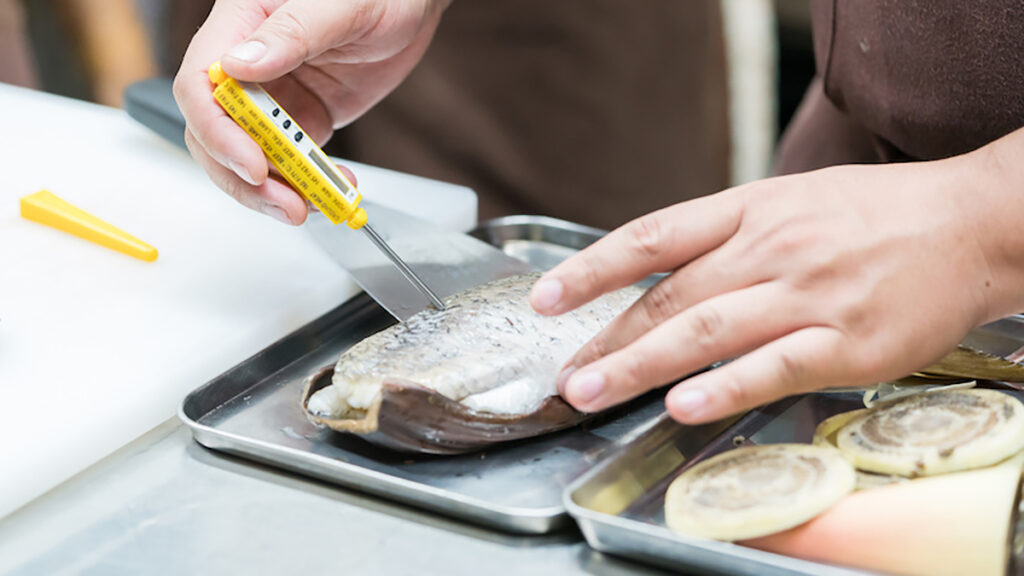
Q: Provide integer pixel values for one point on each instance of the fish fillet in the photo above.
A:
(487, 359)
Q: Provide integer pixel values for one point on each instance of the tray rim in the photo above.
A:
(537, 220)
(778, 561)
(514, 519)
(206, 433)
(590, 521)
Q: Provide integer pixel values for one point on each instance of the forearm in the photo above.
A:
(992, 201)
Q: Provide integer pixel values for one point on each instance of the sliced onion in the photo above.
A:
(755, 491)
(934, 433)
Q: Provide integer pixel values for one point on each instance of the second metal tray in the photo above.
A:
(619, 505)
(253, 411)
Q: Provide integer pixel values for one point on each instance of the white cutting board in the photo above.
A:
(96, 348)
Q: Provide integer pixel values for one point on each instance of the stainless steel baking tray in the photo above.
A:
(619, 504)
(253, 411)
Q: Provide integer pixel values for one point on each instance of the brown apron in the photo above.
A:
(908, 79)
(596, 111)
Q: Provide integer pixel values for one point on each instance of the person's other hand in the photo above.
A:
(842, 277)
(326, 62)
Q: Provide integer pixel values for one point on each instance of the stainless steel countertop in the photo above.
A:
(165, 505)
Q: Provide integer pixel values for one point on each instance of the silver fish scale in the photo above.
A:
(486, 338)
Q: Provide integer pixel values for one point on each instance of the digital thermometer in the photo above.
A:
(301, 162)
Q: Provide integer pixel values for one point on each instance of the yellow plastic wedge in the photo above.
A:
(47, 208)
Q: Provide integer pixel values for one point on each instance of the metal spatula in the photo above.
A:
(447, 261)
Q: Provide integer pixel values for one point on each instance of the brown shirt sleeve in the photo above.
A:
(925, 79)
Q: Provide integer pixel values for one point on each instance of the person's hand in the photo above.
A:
(842, 277)
(325, 61)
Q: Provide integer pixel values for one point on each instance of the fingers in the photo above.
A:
(215, 132)
(305, 107)
(699, 280)
(232, 159)
(356, 51)
(719, 328)
(356, 32)
(272, 197)
(210, 127)
(220, 138)
(300, 30)
(807, 359)
(658, 242)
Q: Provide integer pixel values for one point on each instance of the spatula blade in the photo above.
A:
(447, 261)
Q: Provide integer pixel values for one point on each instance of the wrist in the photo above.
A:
(989, 192)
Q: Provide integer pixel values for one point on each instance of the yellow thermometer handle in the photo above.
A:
(299, 160)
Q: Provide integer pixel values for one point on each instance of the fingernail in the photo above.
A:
(241, 171)
(250, 51)
(563, 377)
(546, 294)
(689, 401)
(276, 213)
(586, 386)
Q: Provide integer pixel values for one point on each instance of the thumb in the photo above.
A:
(296, 32)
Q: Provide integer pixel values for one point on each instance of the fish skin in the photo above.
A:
(487, 350)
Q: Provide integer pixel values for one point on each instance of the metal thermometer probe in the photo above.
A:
(302, 163)
(403, 267)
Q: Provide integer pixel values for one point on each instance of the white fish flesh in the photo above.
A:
(487, 358)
